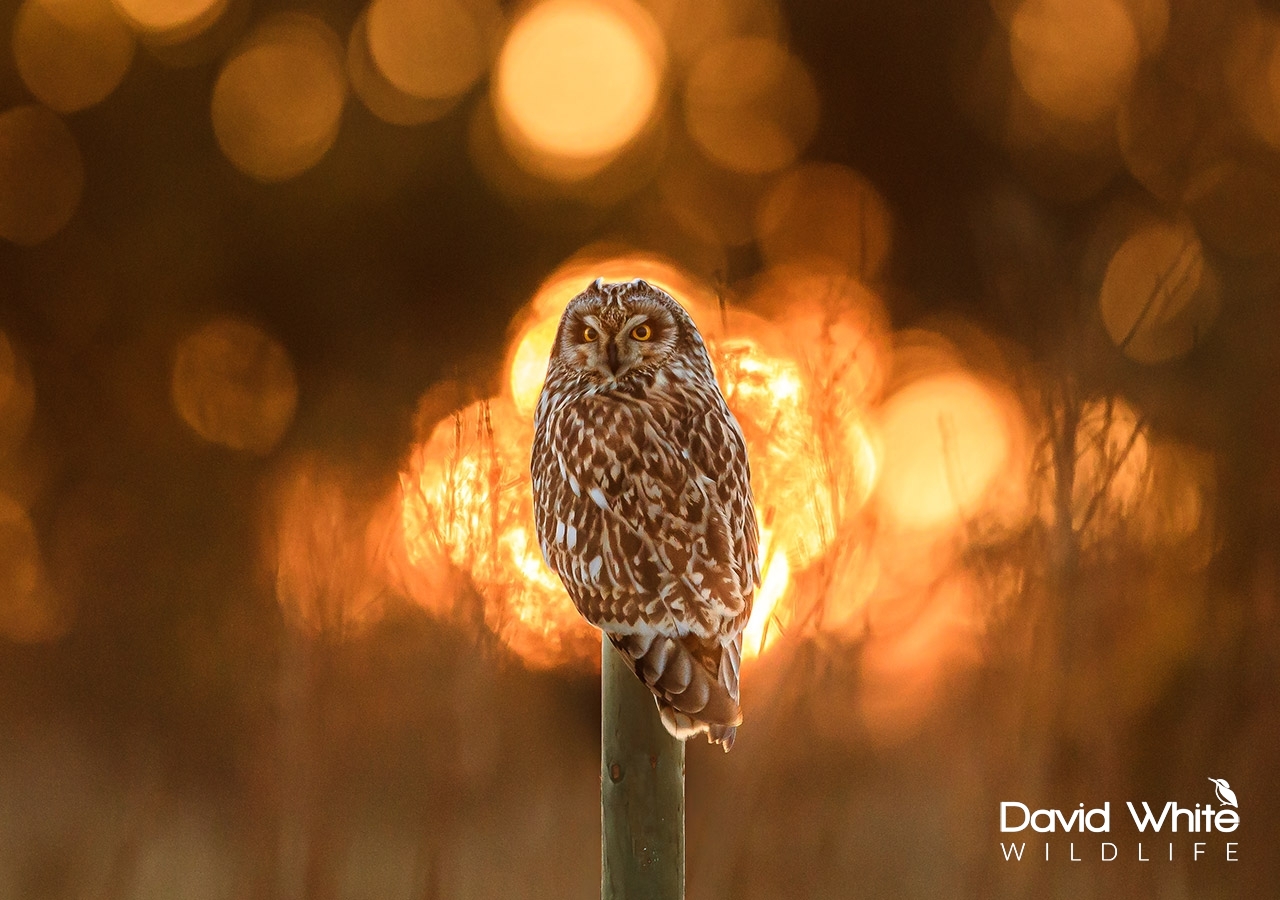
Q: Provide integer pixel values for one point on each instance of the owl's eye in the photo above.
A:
(589, 334)
(642, 332)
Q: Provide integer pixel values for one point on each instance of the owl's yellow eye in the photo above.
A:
(589, 334)
(642, 332)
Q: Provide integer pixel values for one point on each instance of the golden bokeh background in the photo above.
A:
(991, 288)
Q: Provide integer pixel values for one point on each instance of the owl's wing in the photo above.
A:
(651, 525)
(719, 447)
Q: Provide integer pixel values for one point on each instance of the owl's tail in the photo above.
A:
(694, 681)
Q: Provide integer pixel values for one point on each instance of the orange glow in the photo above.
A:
(1112, 467)
(529, 363)
(379, 95)
(768, 397)
(713, 206)
(751, 106)
(431, 50)
(919, 643)
(235, 386)
(1177, 508)
(834, 326)
(827, 213)
(765, 625)
(17, 396)
(1151, 23)
(467, 500)
(1159, 297)
(325, 582)
(1074, 58)
(946, 440)
(71, 53)
(1235, 204)
(692, 27)
(171, 21)
(576, 81)
(1251, 71)
(30, 610)
(278, 100)
(1155, 128)
(41, 175)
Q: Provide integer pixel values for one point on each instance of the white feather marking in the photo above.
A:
(575, 487)
(598, 496)
(559, 532)
(572, 534)
(593, 568)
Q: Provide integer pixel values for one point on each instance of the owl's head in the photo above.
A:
(630, 328)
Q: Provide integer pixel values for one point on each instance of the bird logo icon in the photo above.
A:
(1226, 796)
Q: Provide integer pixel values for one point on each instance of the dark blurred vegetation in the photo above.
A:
(219, 318)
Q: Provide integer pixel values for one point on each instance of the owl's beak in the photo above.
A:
(611, 354)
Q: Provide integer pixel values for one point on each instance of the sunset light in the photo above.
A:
(71, 53)
(576, 81)
(957, 489)
(279, 98)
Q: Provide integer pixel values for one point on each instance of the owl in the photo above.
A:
(642, 499)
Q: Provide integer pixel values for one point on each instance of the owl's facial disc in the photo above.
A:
(612, 350)
(611, 333)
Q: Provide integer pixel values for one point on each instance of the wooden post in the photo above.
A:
(641, 791)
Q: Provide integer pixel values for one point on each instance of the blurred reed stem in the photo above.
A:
(641, 790)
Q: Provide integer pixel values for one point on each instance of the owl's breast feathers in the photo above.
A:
(643, 507)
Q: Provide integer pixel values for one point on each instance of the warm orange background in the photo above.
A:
(990, 286)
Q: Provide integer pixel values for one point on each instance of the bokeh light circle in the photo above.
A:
(751, 106)
(278, 100)
(235, 385)
(946, 439)
(576, 82)
(71, 53)
(171, 21)
(1159, 297)
(467, 502)
(1112, 470)
(1177, 509)
(41, 175)
(434, 50)
(379, 95)
(1075, 58)
(529, 362)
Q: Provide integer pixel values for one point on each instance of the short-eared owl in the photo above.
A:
(642, 498)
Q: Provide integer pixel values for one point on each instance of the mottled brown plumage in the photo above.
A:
(642, 499)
